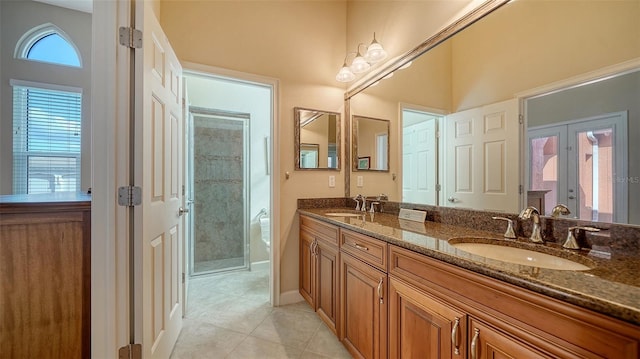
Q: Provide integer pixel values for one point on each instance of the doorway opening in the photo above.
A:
(228, 184)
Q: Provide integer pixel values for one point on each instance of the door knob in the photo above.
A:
(182, 211)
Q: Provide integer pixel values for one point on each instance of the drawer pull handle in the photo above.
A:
(380, 292)
(474, 343)
(455, 336)
(361, 247)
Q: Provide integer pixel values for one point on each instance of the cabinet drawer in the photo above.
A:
(370, 250)
(322, 230)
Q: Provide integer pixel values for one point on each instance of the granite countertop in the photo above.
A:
(611, 287)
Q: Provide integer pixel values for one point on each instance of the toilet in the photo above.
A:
(265, 234)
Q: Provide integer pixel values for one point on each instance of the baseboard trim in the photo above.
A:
(262, 265)
(290, 297)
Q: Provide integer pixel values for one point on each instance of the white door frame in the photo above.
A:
(110, 162)
(274, 170)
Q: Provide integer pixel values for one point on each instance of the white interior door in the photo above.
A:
(419, 162)
(482, 158)
(158, 148)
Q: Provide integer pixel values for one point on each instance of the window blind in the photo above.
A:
(46, 140)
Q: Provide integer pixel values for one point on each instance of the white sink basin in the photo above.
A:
(343, 214)
(519, 256)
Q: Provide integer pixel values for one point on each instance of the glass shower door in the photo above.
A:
(219, 181)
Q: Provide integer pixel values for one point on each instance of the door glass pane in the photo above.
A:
(219, 194)
(544, 170)
(595, 175)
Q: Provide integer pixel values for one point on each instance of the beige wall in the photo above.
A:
(529, 43)
(300, 43)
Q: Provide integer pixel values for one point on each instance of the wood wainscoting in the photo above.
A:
(45, 276)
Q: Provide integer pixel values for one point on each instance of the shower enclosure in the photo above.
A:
(218, 188)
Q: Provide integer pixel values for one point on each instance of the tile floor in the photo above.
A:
(229, 316)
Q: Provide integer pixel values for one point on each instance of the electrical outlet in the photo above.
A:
(360, 181)
(332, 181)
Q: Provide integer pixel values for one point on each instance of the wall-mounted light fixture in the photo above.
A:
(375, 53)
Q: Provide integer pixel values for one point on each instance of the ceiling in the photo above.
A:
(79, 5)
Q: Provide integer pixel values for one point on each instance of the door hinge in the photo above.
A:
(183, 190)
(521, 118)
(438, 188)
(521, 189)
(129, 196)
(182, 277)
(130, 37)
(130, 351)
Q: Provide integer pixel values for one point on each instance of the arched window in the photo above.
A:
(47, 117)
(47, 43)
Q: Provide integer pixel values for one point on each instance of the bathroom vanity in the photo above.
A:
(45, 275)
(391, 288)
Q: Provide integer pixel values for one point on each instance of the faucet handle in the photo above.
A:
(357, 198)
(509, 233)
(373, 206)
(571, 242)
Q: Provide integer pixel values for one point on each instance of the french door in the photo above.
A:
(582, 164)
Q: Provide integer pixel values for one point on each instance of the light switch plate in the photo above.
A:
(412, 215)
(360, 181)
(332, 181)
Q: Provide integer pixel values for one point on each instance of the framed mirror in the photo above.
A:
(370, 144)
(317, 139)
(551, 74)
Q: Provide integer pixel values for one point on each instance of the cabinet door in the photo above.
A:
(307, 267)
(490, 343)
(421, 326)
(327, 283)
(363, 307)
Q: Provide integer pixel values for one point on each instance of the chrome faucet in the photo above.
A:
(533, 214)
(373, 206)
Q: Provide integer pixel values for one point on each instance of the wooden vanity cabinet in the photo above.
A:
(319, 256)
(487, 342)
(363, 295)
(503, 321)
(423, 326)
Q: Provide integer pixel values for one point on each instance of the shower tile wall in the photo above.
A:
(218, 190)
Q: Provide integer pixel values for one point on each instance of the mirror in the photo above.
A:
(370, 144)
(317, 139)
(523, 50)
